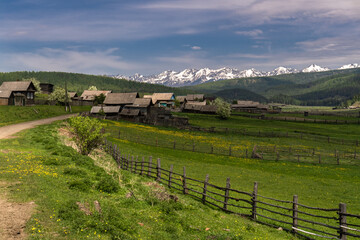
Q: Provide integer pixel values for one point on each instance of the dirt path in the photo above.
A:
(8, 131)
(13, 216)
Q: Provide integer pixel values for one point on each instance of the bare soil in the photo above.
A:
(13, 215)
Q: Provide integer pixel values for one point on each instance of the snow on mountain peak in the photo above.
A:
(352, 65)
(314, 68)
(188, 77)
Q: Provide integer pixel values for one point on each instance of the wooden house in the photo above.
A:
(142, 104)
(89, 95)
(120, 99)
(249, 106)
(73, 95)
(162, 99)
(46, 88)
(18, 93)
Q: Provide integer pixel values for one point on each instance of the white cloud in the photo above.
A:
(196, 48)
(252, 33)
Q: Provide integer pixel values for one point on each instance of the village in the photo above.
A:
(154, 109)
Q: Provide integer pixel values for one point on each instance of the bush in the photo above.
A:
(74, 171)
(88, 133)
(108, 185)
(81, 185)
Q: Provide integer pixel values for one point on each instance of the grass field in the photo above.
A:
(318, 185)
(16, 114)
(38, 167)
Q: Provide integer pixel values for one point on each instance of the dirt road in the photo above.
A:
(8, 131)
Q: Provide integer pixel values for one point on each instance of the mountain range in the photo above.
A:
(190, 77)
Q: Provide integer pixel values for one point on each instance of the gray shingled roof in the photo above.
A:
(121, 98)
(89, 95)
(5, 93)
(130, 112)
(106, 109)
(17, 86)
(161, 97)
(194, 97)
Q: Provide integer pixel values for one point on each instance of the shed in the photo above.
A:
(130, 112)
(47, 88)
(208, 109)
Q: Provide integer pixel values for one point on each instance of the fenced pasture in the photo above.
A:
(291, 215)
(240, 142)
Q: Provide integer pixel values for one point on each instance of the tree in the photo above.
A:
(92, 88)
(223, 108)
(88, 133)
(99, 99)
(58, 95)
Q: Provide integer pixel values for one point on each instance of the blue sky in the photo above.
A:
(148, 37)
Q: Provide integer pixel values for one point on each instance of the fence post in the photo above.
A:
(119, 134)
(205, 188)
(149, 167)
(230, 150)
(174, 144)
(226, 193)
(342, 221)
(212, 149)
(295, 213)
(254, 200)
(131, 165)
(355, 154)
(298, 158)
(319, 158)
(246, 153)
(142, 166)
(193, 147)
(158, 170)
(185, 190)
(170, 175)
(277, 156)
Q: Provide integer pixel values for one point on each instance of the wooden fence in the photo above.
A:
(292, 216)
(272, 134)
(265, 152)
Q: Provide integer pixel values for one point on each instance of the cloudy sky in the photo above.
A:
(150, 36)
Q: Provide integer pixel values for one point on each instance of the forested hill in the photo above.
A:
(79, 82)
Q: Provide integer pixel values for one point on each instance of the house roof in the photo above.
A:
(208, 109)
(72, 94)
(193, 107)
(130, 112)
(194, 97)
(89, 95)
(17, 86)
(142, 102)
(161, 97)
(121, 98)
(181, 98)
(5, 93)
(106, 109)
(196, 103)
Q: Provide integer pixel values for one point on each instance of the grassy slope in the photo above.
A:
(277, 179)
(14, 114)
(56, 177)
(79, 82)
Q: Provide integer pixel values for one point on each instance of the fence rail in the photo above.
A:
(276, 152)
(307, 221)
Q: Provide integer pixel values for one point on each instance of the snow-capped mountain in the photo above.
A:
(314, 68)
(282, 70)
(189, 77)
(349, 66)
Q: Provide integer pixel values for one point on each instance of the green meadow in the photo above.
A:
(78, 197)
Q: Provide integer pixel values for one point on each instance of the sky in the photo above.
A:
(150, 36)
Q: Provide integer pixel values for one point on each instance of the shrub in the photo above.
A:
(81, 185)
(74, 171)
(88, 133)
(107, 184)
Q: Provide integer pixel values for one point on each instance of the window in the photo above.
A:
(30, 95)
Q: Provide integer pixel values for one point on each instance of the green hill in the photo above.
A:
(79, 82)
(239, 94)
